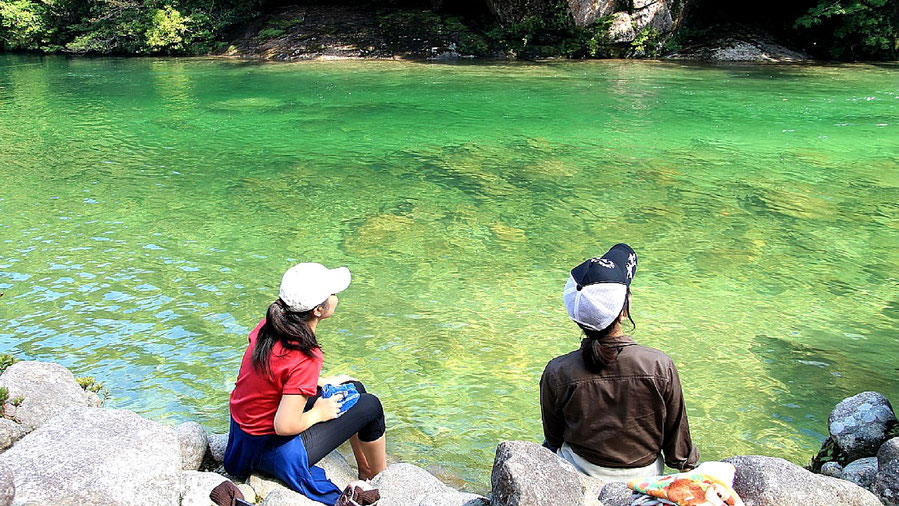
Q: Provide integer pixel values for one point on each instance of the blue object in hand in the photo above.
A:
(347, 390)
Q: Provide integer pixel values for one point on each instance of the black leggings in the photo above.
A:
(366, 418)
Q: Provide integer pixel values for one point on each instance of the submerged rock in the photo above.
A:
(770, 481)
(526, 473)
(95, 456)
(859, 424)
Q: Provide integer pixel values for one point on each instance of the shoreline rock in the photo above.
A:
(81, 454)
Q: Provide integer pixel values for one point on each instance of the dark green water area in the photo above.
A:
(148, 208)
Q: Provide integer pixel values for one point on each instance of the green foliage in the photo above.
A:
(6, 361)
(646, 43)
(118, 26)
(861, 29)
(406, 28)
(4, 396)
(270, 33)
(17, 401)
(89, 384)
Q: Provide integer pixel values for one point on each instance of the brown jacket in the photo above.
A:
(624, 415)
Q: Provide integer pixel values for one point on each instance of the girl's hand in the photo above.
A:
(328, 408)
(336, 380)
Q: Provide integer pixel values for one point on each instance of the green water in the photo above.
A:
(148, 208)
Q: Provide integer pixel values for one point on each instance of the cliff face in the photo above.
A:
(628, 17)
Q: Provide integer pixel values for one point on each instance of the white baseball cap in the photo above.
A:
(305, 286)
(597, 289)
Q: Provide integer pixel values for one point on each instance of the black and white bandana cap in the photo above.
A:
(596, 289)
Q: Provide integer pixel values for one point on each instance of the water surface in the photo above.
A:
(148, 208)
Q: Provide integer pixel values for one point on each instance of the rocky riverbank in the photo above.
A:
(588, 29)
(59, 446)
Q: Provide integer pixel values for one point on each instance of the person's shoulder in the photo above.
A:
(562, 363)
(653, 353)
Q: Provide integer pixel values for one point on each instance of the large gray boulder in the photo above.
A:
(7, 486)
(452, 497)
(337, 469)
(585, 12)
(196, 486)
(861, 472)
(654, 14)
(859, 424)
(888, 452)
(770, 481)
(405, 485)
(886, 483)
(194, 442)
(287, 497)
(10, 432)
(96, 456)
(526, 473)
(45, 389)
(621, 29)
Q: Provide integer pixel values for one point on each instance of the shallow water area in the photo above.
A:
(148, 207)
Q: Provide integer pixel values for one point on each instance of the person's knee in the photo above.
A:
(359, 386)
(370, 407)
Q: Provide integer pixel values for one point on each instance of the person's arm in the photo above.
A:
(290, 419)
(553, 423)
(678, 448)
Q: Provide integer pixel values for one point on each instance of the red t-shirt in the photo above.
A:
(256, 397)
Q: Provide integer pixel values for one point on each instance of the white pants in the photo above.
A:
(607, 474)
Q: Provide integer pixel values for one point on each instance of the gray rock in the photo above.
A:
(616, 493)
(622, 28)
(97, 456)
(526, 473)
(264, 484)
(886, 484)
(217, 445)
(45, 389)
(861, 472)
(592, 487)
(832, 469)
(452, 497)
(654, 14)
(770, 481)
(92, 400)
(285, 497)
(405, 484)
(585, 12)
(194, 442)
(888, 452)
(10, 432)
(248, 493)
(196, 486)
(859, 424)
(337, 469)
(7, 486)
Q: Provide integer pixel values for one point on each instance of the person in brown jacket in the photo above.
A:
(614, 409)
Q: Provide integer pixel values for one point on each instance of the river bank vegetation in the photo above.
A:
(825, 29)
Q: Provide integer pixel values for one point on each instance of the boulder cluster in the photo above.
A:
(58, 445)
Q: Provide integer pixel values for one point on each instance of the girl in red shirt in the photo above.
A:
(280, 423)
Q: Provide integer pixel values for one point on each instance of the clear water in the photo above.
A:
(149, 206)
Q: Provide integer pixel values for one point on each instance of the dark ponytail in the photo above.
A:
(290, 328)
(597, 356)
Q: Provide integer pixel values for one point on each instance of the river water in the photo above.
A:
(148, 208)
